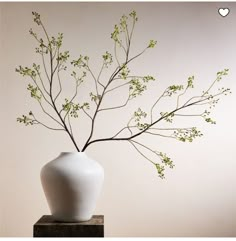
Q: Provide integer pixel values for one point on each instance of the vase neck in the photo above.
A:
(73, 154)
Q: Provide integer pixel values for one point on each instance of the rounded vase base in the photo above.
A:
(70, 220)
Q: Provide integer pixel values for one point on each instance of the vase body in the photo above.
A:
(72, 183)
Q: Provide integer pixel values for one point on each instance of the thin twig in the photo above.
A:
(181, 95)
(45, 68)
(141, 152)
(116, 107)
(86, 113)
(156, 103)
(117, 87)
(158, 134)
(100, 75)
(42, 81)
(59, 80)
(41, 92)
(76, 92)
(71, 131)
(145, 147)
(189, 115)
(117, 60)
(51, 128)
(95, 80)
(49, 114)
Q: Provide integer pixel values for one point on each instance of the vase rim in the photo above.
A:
(73, 153)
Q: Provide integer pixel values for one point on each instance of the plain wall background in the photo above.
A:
(198, 196)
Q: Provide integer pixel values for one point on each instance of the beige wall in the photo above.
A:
(198, 197)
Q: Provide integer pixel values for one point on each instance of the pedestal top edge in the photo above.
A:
(49, 220)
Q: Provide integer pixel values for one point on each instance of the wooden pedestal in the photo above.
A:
(48, 227)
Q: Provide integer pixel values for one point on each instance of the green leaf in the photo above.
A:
(36, 18)
(124, 72)
(80, 62)
(209, 120)
(166, 160)
(190, 82)
(160, 170)
(222, 73)
(25, 120)
(189, 134)
(173, 89)
(73, 108)
(25, 71)
(133, 14)
(94, 97)
(107, 59)
(152, 44)
(123, 23)
(148, 78)
(63, 57)
(136, 88)
(34, 91)
(167, 116)
(115, 34)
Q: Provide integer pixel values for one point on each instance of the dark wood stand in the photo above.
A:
(48, 227)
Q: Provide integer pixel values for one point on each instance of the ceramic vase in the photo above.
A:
(72, 183)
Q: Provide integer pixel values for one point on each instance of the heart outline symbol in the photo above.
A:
(223, 12)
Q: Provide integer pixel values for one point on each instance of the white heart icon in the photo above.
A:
(223, 12)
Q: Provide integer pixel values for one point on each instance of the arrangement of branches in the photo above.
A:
(54, 61)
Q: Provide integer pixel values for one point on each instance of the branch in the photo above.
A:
(202, 96)
(100, 75)
(70, 125)
(131, 34)
(51, 128)
(115, 73)
(49, 114)
(45, 68)
(157, 134)
(207, 103)
(117, 87)
(171, 129)
(145, 147)
(152, 128)
(126, 127)
(117, 60)
(219, 76)
(127, 37)
(120, 131)
(59, 80)
(116, 107)
(152, 124)
(189, 115)
(98, 105)
(156, 103)
(95, 80)
(76, 92)
(181, 95)
(56, 52)
(41, 91)
(51, 85)
(87, 113)
(122, 46)
(42, 81)
(131, 142)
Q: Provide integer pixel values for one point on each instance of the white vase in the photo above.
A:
(72, 183)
